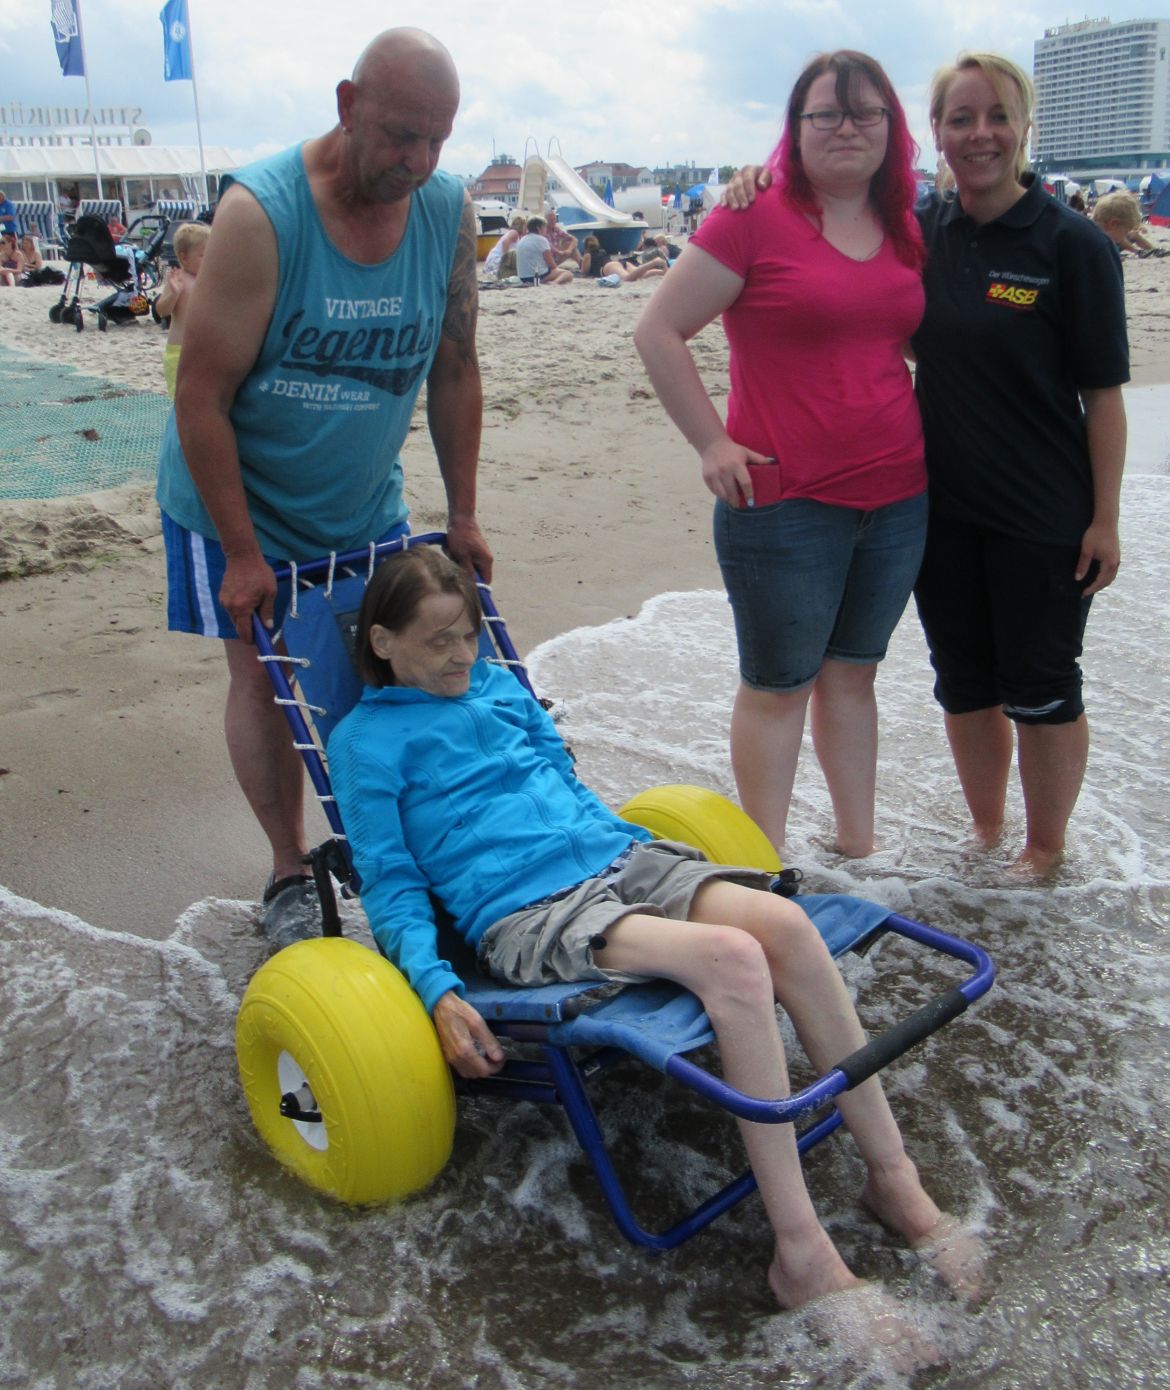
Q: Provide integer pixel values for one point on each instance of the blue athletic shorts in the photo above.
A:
(1005, 621)
(195, 570)
(808, 581)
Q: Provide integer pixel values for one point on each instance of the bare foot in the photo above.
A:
(804, 1268)
(866, 1322)
(987, 836)
(857, 849)
(952, 1250)
(957, 1256)
(1036, 864)
(897, 1198)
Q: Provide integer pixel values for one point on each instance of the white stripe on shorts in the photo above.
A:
(202, 585)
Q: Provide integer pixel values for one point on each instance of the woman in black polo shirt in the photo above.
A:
(1021, 358)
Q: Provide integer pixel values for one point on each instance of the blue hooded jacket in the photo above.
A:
(472, 798)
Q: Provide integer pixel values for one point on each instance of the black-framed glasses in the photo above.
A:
(833, 120)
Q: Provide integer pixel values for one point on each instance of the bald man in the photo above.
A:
(340, 276)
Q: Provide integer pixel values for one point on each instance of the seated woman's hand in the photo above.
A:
(468, 1044)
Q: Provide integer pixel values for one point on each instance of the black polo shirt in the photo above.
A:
(1021, 314)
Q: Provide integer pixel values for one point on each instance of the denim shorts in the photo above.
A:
(555, 939)
(807, 581)
(195, 570)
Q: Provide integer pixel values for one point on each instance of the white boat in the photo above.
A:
(492, 219)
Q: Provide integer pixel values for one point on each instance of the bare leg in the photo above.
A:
(808, 985)
(981, 745)
(845, 736)
(728, 971)
(1052, 760)
(266, 765)
(766, 730)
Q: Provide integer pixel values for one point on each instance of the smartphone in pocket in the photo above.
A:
(765, 484)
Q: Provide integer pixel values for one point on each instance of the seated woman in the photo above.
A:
(595, 263)
(11, 261)
(30, 251)
(494, 264)
(453, 781)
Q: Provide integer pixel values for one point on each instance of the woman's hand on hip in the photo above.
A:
(725, 471)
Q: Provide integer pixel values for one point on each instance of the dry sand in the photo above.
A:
(116, 799)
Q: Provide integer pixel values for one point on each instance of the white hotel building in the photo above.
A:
(1103, 98)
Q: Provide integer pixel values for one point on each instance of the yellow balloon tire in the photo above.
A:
(340, 1017)
(706, 821)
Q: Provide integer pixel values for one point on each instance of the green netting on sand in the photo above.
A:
(62, 432)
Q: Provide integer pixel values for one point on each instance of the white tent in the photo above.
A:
(141, 172)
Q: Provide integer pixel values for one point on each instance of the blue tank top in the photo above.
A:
(321, 417)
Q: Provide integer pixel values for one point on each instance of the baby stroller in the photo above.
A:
(339, 1061)
(129, 268)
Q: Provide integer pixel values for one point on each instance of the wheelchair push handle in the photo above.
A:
(879, 1052)
(869, 1059)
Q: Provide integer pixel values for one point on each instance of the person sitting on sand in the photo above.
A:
(504, 249)
(535, 264)
(1119, 216)
(11, 261)
(190, 245)
(454, 783)
(596, 262)
(117, 228)
(31, 252)
(562, 244)
(658, 248)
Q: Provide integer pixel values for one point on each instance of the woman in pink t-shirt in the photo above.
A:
(820, 486)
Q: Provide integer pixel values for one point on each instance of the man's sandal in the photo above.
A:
(292, 910)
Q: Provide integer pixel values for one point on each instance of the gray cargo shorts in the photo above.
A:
(553, 940)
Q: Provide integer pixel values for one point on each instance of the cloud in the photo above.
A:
(701, 79)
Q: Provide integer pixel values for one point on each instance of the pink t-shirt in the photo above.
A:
(818, 380)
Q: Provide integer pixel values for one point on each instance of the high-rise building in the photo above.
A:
(1103, 97)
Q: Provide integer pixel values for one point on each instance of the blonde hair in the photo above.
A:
(1118, 207)
(1012, 86)
(190, 236)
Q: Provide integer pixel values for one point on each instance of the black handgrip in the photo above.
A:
(879, 1052)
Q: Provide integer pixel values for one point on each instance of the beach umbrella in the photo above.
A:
(696, 190)
(608, 194)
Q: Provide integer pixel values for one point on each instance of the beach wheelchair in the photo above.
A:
(339, 1061)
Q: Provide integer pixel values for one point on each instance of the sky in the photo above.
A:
(644, 84)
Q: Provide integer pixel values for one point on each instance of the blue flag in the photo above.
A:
(67, 37)
(176, 42)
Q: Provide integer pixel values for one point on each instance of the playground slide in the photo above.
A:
(578, 192)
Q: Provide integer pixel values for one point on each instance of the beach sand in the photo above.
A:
(117, 802)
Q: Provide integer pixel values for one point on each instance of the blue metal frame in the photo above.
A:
(558, 1076)
(561, 1079)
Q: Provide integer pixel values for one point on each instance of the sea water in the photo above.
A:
(148, 1240)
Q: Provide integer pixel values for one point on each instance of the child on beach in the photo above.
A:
(190, 245)
(1119, 216)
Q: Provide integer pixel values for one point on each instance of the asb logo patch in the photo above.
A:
(1014, 296)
